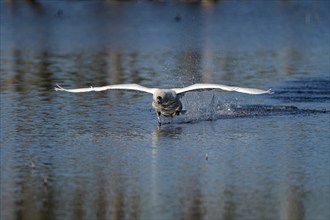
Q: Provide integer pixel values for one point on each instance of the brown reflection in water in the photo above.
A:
(193, 205)
(228, 64)
(134, 72)
(98, 68)
(101, 201)
(117, 73)
(292, 61)
(45, 77)
(117, 205)
(78, 210)
(38, 71)
(26, 72)
(229, 205)
(19, 69)
(292, 203)
(122, 204)
(37, 196)
(113, 200)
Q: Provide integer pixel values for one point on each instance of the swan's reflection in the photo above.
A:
(159, 133)
(170, 131)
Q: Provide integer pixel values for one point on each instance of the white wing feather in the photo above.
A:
(134, 87)
(204, 86)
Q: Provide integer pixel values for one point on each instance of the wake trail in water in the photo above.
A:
(229, 109)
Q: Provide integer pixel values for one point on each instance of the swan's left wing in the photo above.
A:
(205, 86)
(133, 87)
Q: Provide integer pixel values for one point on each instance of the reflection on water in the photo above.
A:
(102, 156)
(293, 207)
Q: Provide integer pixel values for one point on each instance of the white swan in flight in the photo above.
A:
(167, 101)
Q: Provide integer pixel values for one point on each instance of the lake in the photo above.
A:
(101, 155)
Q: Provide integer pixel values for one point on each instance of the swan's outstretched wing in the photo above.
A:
(133, 87)
(204, 86)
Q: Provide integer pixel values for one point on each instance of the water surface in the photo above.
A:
(102, 155)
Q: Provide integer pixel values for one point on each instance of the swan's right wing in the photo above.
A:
(205, 86)
(132, 87)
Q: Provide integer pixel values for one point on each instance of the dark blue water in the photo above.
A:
(102, 155)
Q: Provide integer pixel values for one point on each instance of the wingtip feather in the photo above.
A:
(58, 88)
(269, 91)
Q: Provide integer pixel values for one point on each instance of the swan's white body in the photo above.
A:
(167, 101)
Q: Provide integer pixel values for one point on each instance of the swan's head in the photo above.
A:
(161, 95)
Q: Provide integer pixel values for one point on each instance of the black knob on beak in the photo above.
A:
(159, 99)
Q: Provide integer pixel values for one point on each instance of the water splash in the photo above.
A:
(230, 109)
